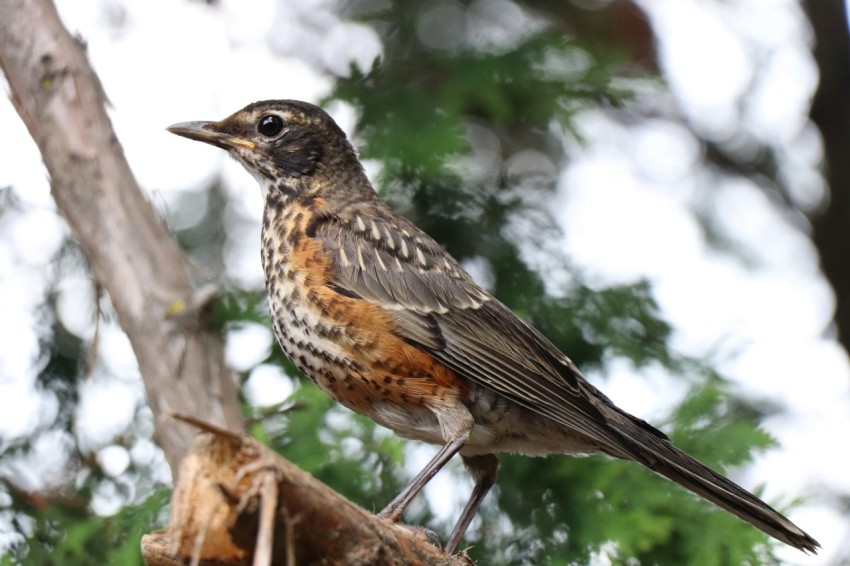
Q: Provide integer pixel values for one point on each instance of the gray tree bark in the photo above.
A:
(129, 249)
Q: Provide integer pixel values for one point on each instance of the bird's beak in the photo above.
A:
(206, 132)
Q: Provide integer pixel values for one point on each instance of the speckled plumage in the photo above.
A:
(381, 318)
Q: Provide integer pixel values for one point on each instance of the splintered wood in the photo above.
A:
(238, 503)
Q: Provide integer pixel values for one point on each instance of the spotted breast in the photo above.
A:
(347, 346)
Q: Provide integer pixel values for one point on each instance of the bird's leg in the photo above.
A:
(397, 506)
(483, 470)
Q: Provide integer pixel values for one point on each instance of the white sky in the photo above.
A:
(625, 203)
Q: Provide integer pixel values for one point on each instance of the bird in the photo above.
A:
(386, 322)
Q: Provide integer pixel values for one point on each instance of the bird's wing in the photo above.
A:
(382, 258)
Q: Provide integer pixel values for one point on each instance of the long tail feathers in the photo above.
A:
(661, 456)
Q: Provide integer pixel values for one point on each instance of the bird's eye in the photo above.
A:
(270, 125)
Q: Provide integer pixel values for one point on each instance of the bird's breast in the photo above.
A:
(347, 346)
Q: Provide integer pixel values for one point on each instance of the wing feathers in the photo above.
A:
(384, 259)
(437, 306)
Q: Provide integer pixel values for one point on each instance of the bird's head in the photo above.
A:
(284, 144)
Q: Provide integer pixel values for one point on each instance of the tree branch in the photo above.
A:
(238, 503)
(129, 249)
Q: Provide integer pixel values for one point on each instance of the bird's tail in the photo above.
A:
(651, 448)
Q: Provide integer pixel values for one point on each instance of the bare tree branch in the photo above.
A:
(129, 249)
(233, 492)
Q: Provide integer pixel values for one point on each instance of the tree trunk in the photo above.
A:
(129, 249)
(831, 112)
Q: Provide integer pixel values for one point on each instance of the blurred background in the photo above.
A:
(643, 181)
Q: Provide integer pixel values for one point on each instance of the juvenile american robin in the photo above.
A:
(387, 323)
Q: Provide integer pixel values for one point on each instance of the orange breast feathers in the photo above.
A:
(370, 335)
